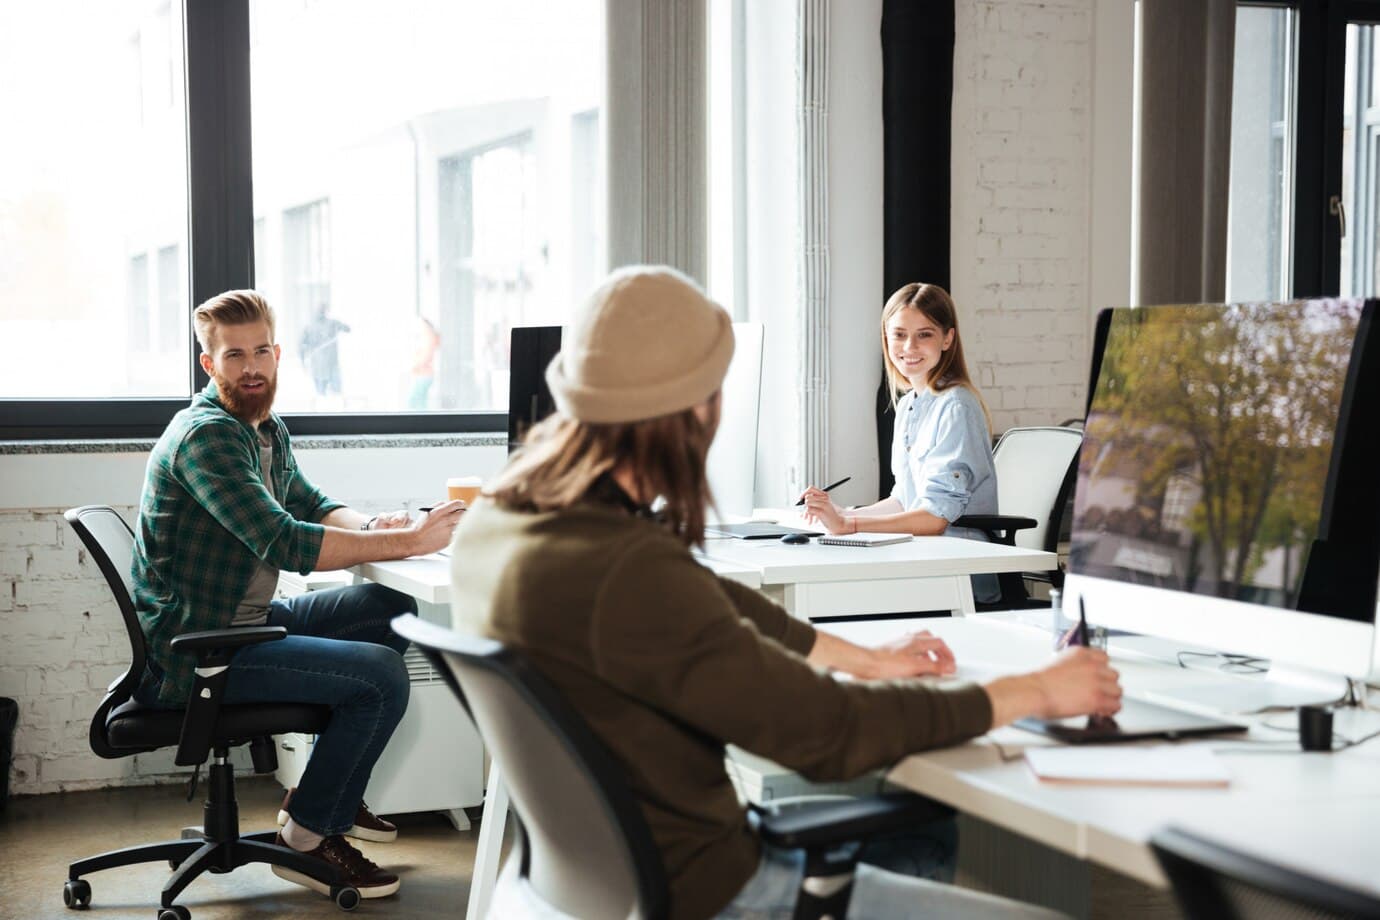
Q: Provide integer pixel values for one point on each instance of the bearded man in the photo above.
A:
(224, 509)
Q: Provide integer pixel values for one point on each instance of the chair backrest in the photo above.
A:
(1035, 471)
(589, 851)
(111, 544)
(1213, 882)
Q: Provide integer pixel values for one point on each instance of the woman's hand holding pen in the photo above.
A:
(820, 509)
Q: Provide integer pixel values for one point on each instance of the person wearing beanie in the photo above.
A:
(564, 560)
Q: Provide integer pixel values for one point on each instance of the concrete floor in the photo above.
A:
(39, 835)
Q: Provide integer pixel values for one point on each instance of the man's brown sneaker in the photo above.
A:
(368, 826)
(355, 869)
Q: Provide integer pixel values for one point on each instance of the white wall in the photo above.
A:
(62, 640)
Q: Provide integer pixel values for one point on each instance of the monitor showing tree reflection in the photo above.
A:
(1209, 453)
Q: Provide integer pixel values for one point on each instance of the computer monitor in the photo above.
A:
(732, 462)
(1228, 491)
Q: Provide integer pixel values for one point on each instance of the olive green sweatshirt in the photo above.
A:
(668, 662)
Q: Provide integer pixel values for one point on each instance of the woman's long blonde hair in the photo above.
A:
(561, 459)
(952, 370)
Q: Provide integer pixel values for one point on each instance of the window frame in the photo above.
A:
(221, 253)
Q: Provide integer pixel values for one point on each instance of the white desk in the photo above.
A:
(926, 574)
(1317, 812)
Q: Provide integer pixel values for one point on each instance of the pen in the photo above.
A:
(427, 510)
(828, 488)
(1082, 623)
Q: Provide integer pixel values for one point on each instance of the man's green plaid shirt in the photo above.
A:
(206, 519)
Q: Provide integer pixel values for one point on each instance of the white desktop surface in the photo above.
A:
(782, 563)
(427, 578)
(926, 574)
(1275, 789)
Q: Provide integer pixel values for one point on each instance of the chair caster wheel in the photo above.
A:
(345, 897)
(176, 912)
(76, 894)
(174, 863)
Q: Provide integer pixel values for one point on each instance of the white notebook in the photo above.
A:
(1124, 765)
(865, 539)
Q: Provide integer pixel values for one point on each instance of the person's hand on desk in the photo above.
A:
(433, 530)
(390, 520)
(1081, 681)
(918, 654)
(820, 509)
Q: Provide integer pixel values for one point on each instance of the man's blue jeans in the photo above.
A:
(339, 652)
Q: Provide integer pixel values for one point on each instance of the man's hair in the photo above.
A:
(232, 308)
(561, 460)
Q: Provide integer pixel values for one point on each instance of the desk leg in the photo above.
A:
(486, 855)
(964, 586)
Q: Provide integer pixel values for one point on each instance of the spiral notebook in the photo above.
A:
(865, 539)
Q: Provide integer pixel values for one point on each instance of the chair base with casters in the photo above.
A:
(218, 848)
(123, 727)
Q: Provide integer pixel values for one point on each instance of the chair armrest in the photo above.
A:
(1000, 528)
(213, 649)
(855, 820)
(228, 639)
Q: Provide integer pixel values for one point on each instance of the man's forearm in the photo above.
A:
(344, 547)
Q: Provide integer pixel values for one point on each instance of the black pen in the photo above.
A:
(828, 488)
(426, 510)
(1082, 623)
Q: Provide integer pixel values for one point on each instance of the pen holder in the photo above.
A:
(1315, 728)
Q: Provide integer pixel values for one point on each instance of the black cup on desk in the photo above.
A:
(1315, 728)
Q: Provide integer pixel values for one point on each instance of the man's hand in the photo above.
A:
(433, 530)
(391, 520)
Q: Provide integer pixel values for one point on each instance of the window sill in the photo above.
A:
(303, 442)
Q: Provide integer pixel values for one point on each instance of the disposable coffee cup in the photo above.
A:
(464, 488)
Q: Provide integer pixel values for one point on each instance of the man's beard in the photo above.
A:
(247, 407)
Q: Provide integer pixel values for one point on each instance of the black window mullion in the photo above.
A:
(219, 152)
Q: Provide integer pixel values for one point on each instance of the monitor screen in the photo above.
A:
(1225, 455)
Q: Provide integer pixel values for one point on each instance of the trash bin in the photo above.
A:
(9, 718)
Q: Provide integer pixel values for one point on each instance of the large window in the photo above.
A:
(1262, 135)
(404, 182)
(427, 175)
(93, 202)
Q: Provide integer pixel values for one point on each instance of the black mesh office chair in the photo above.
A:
(122, 728)
(1213, 882)
(1036, 469)
(582, 844)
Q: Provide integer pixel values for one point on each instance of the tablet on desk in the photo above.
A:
(1136, 720)
(756, 530)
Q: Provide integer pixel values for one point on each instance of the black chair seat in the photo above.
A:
(133, 725)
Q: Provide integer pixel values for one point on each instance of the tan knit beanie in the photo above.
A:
(646, 343)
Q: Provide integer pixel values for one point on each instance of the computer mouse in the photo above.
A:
(795, 539)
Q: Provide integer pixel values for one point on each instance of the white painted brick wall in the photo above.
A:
(62, 642)
(1021, 161)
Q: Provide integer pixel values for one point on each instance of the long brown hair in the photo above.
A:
(952, 370)
(562, 458)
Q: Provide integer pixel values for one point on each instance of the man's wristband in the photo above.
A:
(369, 524)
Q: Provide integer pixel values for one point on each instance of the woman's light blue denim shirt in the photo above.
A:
(941, 456)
